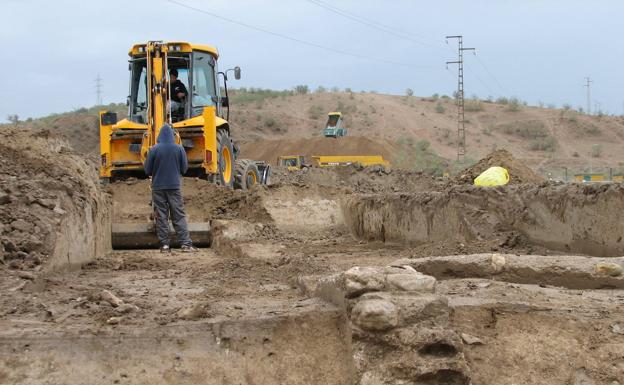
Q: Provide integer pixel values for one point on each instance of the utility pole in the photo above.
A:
(461, 121)
(587, 84)
(98, 90)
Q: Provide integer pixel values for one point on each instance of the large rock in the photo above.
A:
(4, 198)
(412, 281)
(359, 280)
(608, 268)
(23, 226)
(375, 315)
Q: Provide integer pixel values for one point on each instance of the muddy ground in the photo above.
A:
(345, 276)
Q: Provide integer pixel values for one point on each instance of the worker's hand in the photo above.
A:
(181, 95)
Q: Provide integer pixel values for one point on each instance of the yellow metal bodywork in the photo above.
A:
(335, 113)
(116, 141)
(589, 178)
(345, 160)
(172, 46)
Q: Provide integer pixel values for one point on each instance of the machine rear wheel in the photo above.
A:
(246, 174)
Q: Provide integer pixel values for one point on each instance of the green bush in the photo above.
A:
(514, 105)
(543, 144)
(502, 100)
(596, 151)
(249, 95)
(473, 105)
(534, 129)
(439, 108)
(315, 112)
(270, 122)
(423, 145)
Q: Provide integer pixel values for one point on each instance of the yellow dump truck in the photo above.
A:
(346, 160)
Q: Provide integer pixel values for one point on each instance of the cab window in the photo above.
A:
(204, 90)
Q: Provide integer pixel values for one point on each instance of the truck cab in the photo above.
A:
(292, 162)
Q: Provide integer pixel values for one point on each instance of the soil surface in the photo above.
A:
(528, 308)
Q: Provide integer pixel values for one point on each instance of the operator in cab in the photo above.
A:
(178, 91)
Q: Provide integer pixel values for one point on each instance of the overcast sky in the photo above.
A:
(536, 50)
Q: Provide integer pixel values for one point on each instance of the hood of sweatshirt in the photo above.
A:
(166, 135)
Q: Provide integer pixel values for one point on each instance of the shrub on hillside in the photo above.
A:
(409, 92)
(532, 129)
(514, 105)
(270, 122)
(502, 100)
(315, 111)
(473, 105)
(543, 144)
(596, 151)
(439, 108)
(423, 145)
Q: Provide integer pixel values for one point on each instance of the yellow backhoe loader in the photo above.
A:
(199, 118)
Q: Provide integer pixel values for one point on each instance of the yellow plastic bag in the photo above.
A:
(493, 176)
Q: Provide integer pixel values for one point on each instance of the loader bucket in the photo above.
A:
(143, 235)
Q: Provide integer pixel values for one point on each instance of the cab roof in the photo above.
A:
(334, 113)
(177, 46)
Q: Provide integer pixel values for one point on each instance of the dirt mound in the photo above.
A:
(518, 172)
(358, 179)
(269, 150)
(47, 193)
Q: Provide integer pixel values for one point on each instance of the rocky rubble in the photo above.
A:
(396, 307)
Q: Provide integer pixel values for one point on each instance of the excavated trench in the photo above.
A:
(567, 218)
(467, 319)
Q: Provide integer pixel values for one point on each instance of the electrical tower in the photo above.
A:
(587, 84)
(461, 121)
(98, 90)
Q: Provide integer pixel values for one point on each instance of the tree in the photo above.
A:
(13, 118)
(302, 89)
(409, 92)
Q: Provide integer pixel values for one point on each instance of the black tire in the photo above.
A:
(225, 160)
(246, 174)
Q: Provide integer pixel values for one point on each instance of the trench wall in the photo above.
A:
(571, 218)
(312, 348)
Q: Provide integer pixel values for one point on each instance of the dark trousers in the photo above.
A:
(168, 203)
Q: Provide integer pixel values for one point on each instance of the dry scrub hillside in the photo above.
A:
(535, 135)
(414, 132)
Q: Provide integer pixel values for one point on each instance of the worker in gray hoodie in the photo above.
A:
(166, 163)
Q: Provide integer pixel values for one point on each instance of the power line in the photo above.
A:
(370, 23)
(491, 75)
(308, 43)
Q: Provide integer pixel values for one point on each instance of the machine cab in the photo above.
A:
(193, 82)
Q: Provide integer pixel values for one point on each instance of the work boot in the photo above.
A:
(165, 249)
(189, 249)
